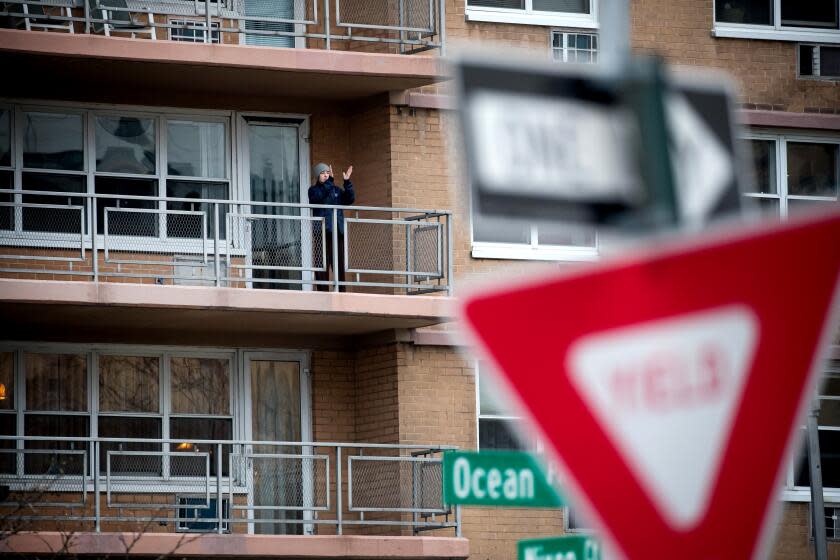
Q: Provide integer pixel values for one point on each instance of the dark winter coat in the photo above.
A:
(329, 193)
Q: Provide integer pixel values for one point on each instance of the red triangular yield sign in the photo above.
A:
(668, 386)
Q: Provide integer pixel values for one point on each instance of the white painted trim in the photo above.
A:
(520, 17)
(769, 33)
(512, 251)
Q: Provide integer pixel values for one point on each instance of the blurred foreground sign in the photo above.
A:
(496, 478)
(668, 387)
(576, 547)
(575, 144)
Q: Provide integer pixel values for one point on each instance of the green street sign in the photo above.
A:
(496, 478)
(576, 547)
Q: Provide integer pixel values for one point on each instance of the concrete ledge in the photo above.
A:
(240, 546)
(44, 305)
(81, 61)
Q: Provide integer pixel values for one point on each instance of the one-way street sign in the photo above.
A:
(572, 143)
(669, 387)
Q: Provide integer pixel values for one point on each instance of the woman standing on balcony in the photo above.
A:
(325, 191)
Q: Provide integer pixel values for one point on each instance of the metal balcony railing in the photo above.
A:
(228, 243)
(220, 486)
(409, 26)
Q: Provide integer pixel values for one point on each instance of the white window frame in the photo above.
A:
(793, 493)
(532, 251)
(818, 77)
(781, 139)
(775, 32)
(529, 16)
(565, 49)
(478, 415)
(215, 36)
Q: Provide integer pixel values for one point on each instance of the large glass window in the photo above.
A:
(197, 167)
(794, 173)
(792, 20)
(128, 158)
(201, 408)
(56, 406)
(125, 396)
(53, 160)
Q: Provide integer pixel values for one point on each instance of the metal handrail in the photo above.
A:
(245, 242)
(224, 472)
(230, 17)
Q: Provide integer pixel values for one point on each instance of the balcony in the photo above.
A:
(237, 488)
(380, 26)
(222, 243)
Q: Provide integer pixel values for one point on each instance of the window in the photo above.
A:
(791, 20)
(495, 425)
(794, 172)
(832, 522)
(571, 13)
(75, 392)
(499, 238)
(129, 407)
(201, 408)
(193, 31)
(119, 155)
(574, 47)
(819, 61)
(828, 421)
(56, 405)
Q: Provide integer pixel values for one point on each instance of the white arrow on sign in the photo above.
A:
(703, 168)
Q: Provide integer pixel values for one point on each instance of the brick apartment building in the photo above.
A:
(170, 367)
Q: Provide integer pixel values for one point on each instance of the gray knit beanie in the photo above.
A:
(318, 169)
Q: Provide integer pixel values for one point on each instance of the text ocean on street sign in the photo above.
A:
(496, 478)
(668, 387)
(558, 142)
(573, 547)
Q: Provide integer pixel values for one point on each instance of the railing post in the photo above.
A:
(87, 16)
(219, 509)
(94, 248)
(96, 489)
(216, 264)
(338, 501)
(450, 267)
(327, 23)
(208, 36)
(402, 26)
(335, 249)
(442, 26)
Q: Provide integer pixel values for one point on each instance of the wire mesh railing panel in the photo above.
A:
(371, 245)
(284, 481)
(277, 242)
(45, 477)
(408, 15)
(186, 234)
(426, 249)
(392, 483)
(51, 232)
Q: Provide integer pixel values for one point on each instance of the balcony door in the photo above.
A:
(275, 169)
(280, 483)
